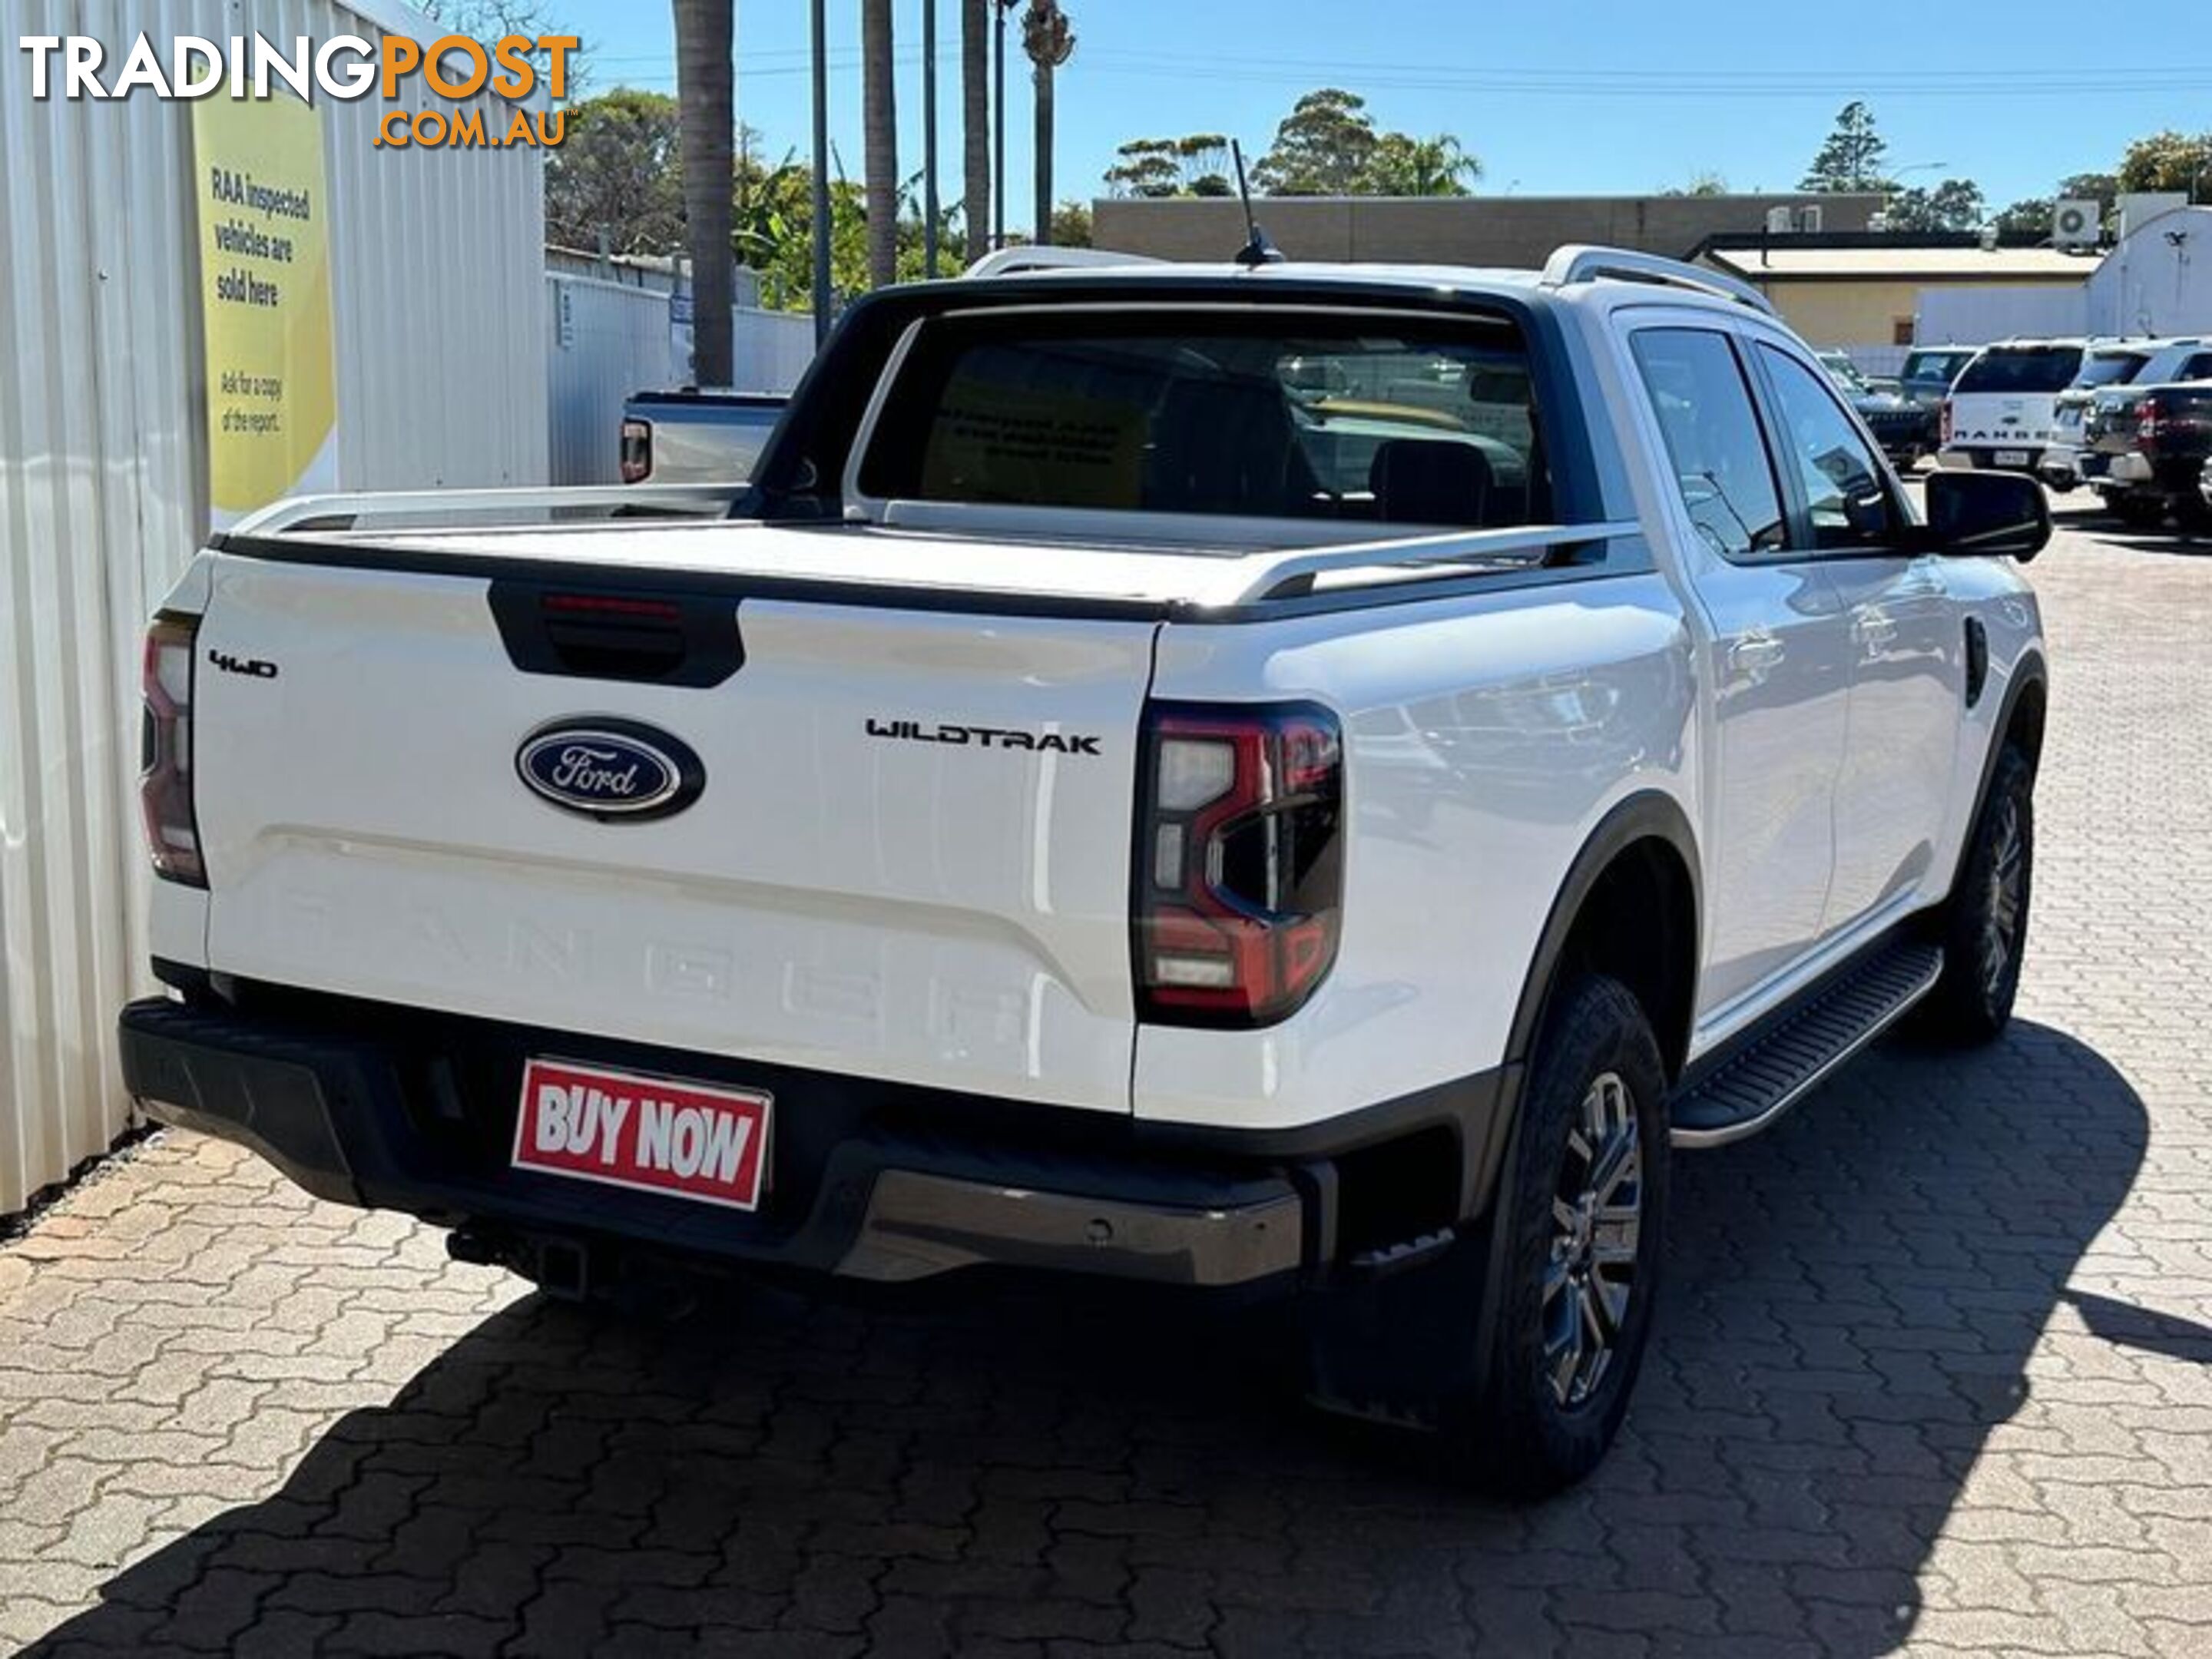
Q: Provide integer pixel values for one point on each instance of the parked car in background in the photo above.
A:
(1930, 372)
(2108, 425)
(696, 436)
(2103, 366)
(1904, 429)
(2155, 447)
(2002, 413)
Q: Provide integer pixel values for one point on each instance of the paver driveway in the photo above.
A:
(1935, 1372)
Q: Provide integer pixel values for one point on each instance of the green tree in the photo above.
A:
(1328, 145)
(1852, 156)
(2102, 188)
(1405, 165)
(2030, 217)
(1954, 204)
(2168, 161)
(1071, 225)
(775, 212)
(1145, 168)
(494, 20)
(1197, 165)
(1324, 147)
(706, 114)
(1703, 183)
(617, 173)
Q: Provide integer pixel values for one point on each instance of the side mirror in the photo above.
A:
(1986, 515)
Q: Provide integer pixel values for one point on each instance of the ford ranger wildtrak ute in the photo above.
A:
(1304, 782)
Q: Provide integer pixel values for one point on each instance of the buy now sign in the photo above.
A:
(651, 1134)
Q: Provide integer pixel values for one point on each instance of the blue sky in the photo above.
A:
(1571, 97)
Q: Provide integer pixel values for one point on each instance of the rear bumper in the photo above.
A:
(384, 1109)
(1983, 458)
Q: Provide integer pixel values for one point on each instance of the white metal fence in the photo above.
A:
(610, 340)
(437, 296)
(773, 349)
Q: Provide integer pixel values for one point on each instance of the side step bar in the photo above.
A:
(1748, 1091)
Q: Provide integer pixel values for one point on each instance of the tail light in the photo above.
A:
(1944, 421)
(2151, 427)
(165, 762)
(1239, 861)
(637, 451)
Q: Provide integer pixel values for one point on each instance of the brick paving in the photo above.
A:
(1934, 1373)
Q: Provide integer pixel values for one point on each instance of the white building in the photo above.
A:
(2158, 280)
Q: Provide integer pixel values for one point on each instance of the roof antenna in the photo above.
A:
(1257, 250)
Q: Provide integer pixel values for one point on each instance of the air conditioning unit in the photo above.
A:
(1781, 221)
(2077, 224)
(1810, 219)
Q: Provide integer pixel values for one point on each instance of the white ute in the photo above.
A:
(1302, 781)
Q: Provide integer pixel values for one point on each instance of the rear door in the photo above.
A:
(905, 855)
(1905, 643)
(1777, 663)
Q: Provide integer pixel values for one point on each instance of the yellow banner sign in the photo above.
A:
(265, 302)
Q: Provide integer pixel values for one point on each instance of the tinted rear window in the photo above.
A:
(2109, 368)
(1934, 365)
(1387, 421)
(2040, 368)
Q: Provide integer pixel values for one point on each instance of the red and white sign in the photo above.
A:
(649, 1133)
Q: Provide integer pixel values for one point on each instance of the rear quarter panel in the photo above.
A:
(1998, 594)
(1485, 738)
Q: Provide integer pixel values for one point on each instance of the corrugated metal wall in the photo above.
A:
(607, 340)
(610, 340)
(438, 294)
(772, 349)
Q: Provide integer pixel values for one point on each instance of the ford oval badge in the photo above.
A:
(609, 768)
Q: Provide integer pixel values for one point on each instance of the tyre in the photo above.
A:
(1579, 1229)
(2138, 511)
(1984, 927)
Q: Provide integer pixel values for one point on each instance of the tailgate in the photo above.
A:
(908, 857)
(1987, 418)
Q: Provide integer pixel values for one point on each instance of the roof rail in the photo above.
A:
(1008, 261)
(1579, 262)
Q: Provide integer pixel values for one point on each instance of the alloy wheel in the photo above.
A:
(2007, 899)
(1597, 1214)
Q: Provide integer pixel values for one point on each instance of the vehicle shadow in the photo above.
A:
(1852, 1303)
(2184, 539)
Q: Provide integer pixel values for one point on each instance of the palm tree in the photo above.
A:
(879, 115)
(1405, 165)
(975, 123)
(1050, 42)
(706, 116)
